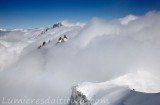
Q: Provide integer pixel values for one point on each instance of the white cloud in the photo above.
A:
(70, 24)
(99, 51)
(128, 19)
(1, 29)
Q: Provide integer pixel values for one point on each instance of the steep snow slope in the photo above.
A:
(118, 91)
(115, 95)
(140, 81)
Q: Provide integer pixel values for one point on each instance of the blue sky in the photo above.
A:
(43, 13)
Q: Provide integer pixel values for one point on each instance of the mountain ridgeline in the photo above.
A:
(60, 40)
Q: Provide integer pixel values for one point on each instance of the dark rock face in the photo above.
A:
(77, 98)
(57, 25)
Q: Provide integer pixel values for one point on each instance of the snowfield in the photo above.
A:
(122, 90)
(116, 61)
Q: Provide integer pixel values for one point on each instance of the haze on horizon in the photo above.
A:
(44, 13)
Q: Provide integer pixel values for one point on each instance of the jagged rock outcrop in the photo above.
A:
(59, 24)
(44, 31)
(77, 98)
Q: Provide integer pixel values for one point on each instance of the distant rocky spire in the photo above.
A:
(59, 24)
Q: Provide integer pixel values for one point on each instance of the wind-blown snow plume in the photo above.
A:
(99, 51)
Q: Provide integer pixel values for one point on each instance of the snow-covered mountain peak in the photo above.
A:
(141, 81)
(117, 90)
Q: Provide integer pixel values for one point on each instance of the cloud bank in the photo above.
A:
(99, 51)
